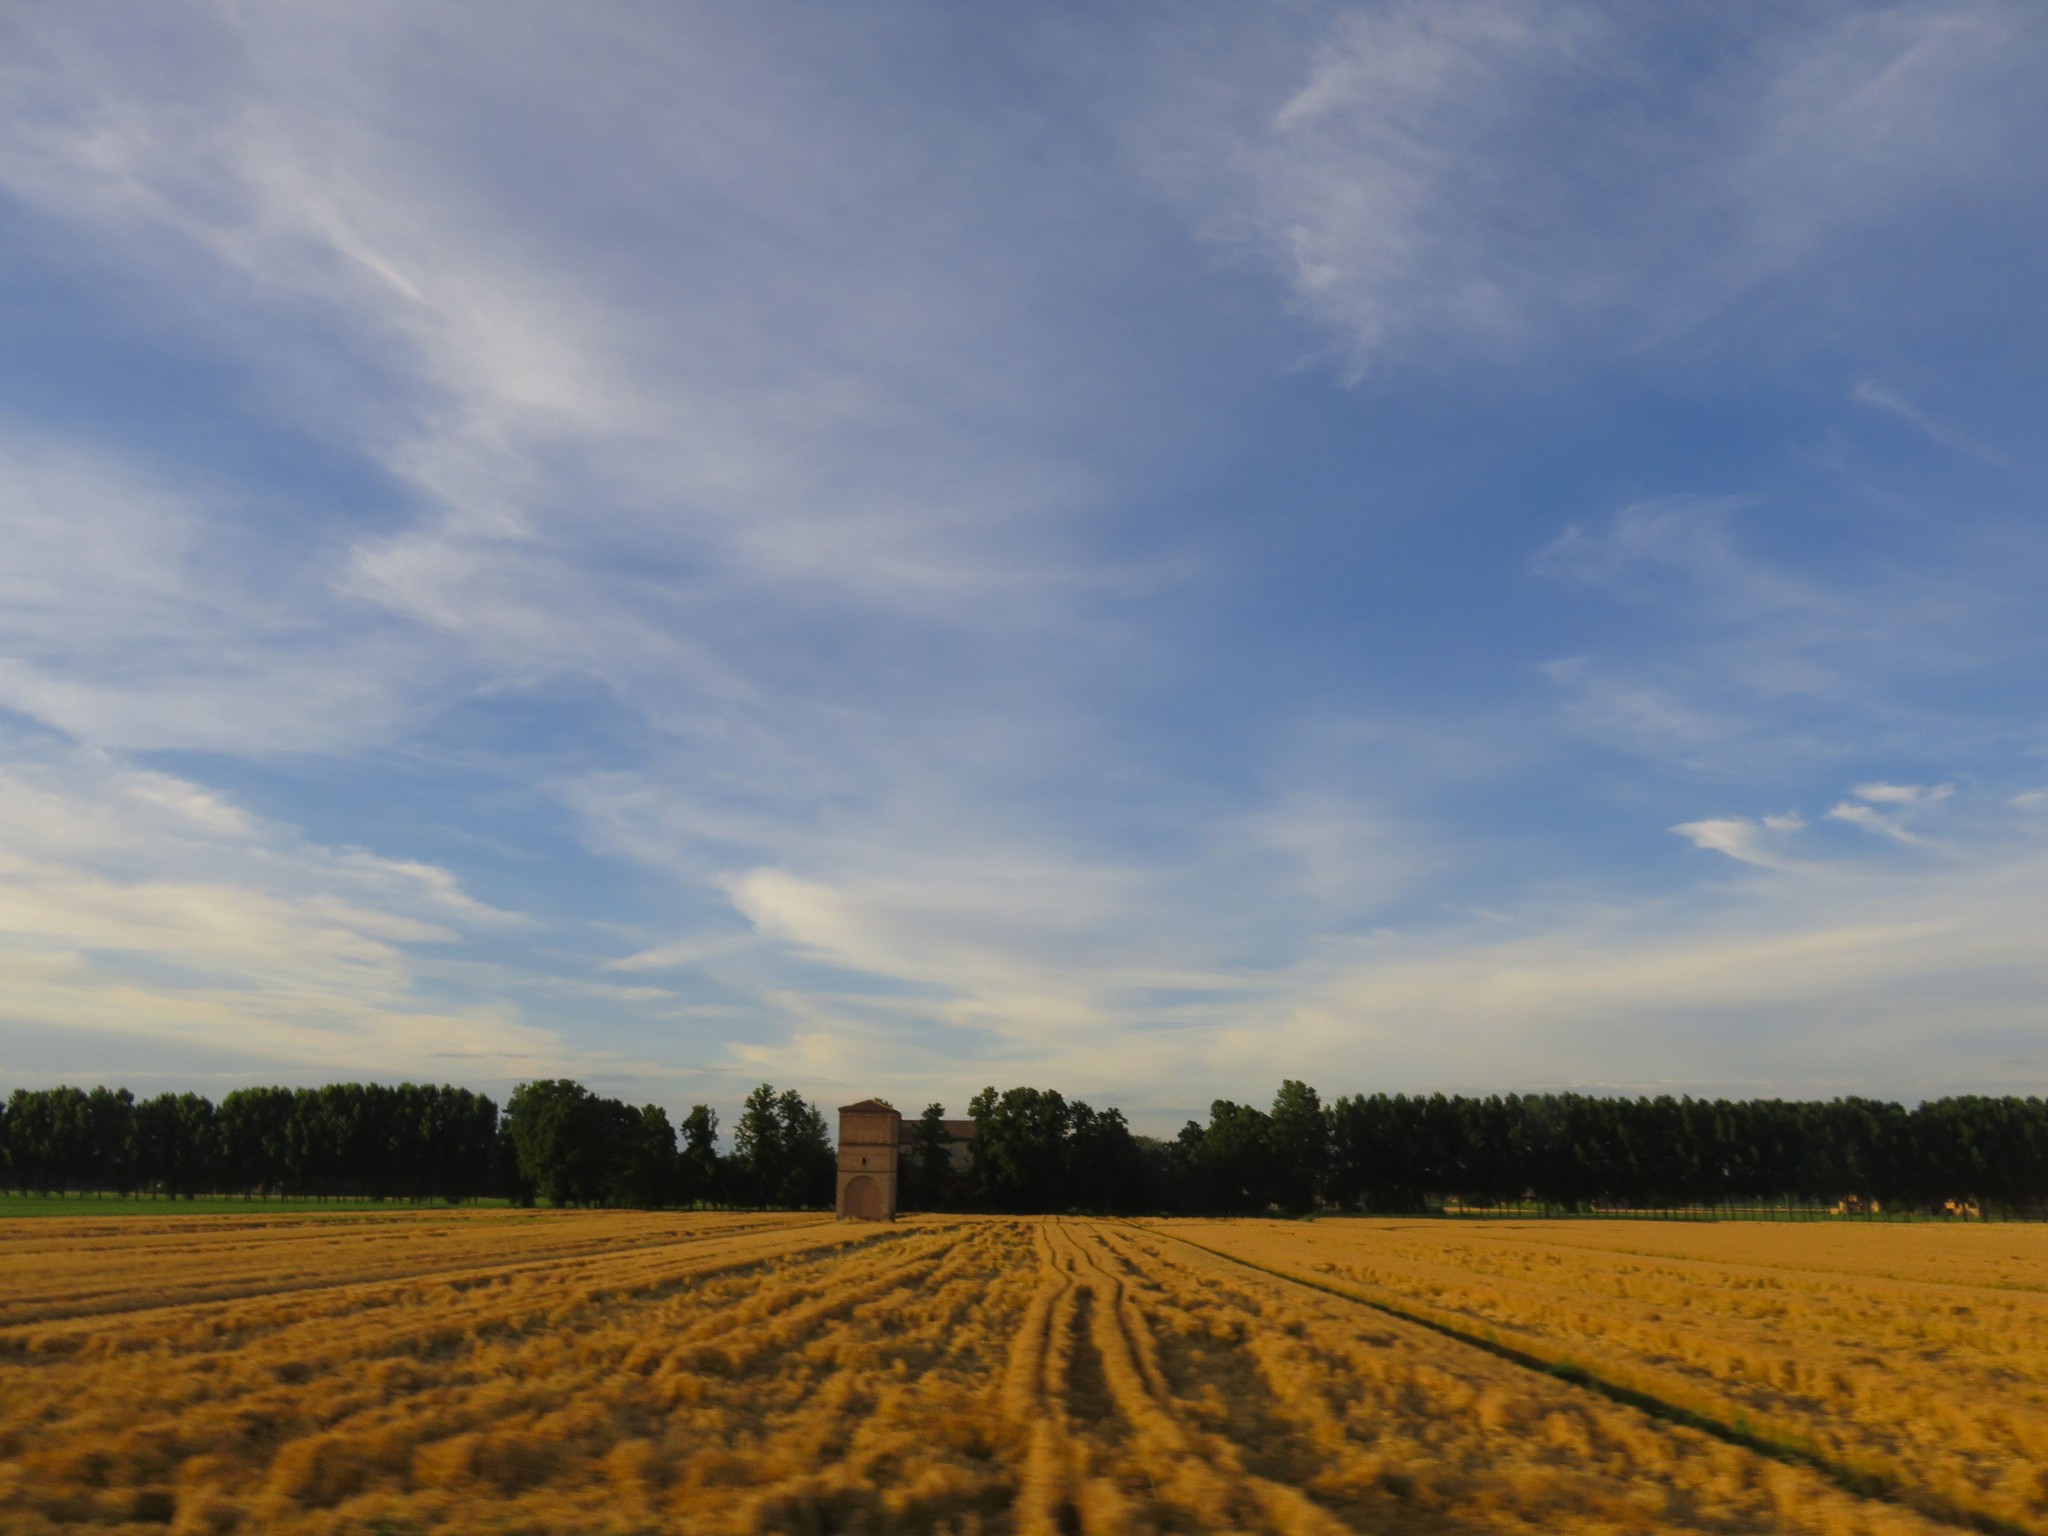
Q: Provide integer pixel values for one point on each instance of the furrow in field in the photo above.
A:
(1994, 1256)
(339, 1331)
(969, 1375)
(221, 1323)
(1891, 1388)
(1433, 1428)
(1033, 1394)
(33, 1287)
(299, 1241)
(863, 1377)
(1200, 1474)
(906, 1445)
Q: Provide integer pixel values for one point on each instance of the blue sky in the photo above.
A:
(1466, 546)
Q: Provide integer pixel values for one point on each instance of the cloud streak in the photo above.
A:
(143, 906)
(1497, 175)
(795, 538)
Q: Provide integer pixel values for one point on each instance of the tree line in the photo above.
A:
(555, 1139)
(576, 1148)
(412, 1141)
(1575, 1152)
(1035, 1150)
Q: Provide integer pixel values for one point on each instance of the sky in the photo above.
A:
(1487, 545)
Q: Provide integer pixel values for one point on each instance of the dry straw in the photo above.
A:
(745, 1373)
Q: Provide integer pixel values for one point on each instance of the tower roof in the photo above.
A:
(868, 1107)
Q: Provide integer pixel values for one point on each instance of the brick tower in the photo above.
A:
(870, 1144)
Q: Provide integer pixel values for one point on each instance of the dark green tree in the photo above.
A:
(698, 1172)
(172, 1144)
(568, 1140)
(37, 1155)
(809, 1159)
(928, 1170)
(758, 1160)
(651, 1172)
(255, 1140)
(1105, 1169)
(1235, 1167)
(1020, 1149)
(1300, 1136)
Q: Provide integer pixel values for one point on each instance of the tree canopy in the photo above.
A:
(1036, 1150)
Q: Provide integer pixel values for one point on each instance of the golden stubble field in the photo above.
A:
(555, 1372)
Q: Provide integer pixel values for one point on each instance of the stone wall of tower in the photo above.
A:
(870, 1139)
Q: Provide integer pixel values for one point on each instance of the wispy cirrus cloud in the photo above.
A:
(1744, 655)
(1885, 808)
(1814, 969)
(787, 479)
(1813, 973)
(143, 907)
(1497, 174)
(140, 608)
(607, 477)
(1883, 398)
(1904, 794)
(1748, 841)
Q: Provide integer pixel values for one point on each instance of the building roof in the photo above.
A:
(956, 1130)
(868, 1107)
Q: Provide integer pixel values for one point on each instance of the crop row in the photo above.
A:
(1190, 1393)
(1936, 1390)
(975, 1375)
(81, 1268)
(589, 1394)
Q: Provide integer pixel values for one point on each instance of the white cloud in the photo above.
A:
(1749, 655)
(661, 479)
(1871, 820)
(1903, 799)
(135, 615)
(1879, 397)
(681, 954)
(1685, 546)
(977, 958)
(1492, 172)
(660, 382)
(1903, 794)
(1757, 635)
(1888, 977)
(1828, 979)
(137, 903)
(1736, 836)
(917, 917)
(1644, 711)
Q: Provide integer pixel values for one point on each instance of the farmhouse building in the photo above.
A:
(874, 1140)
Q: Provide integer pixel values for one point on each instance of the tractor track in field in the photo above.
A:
(1012, 1376)
(1870, 1483)
(451, 1273)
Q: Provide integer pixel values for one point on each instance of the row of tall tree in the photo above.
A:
(1577, 1151)
(411, 1141)
(1035, 1150)
(414, 1142)
(576, 1148)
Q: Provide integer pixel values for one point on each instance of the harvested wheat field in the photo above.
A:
(556, 1372)
(1912, 1360)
